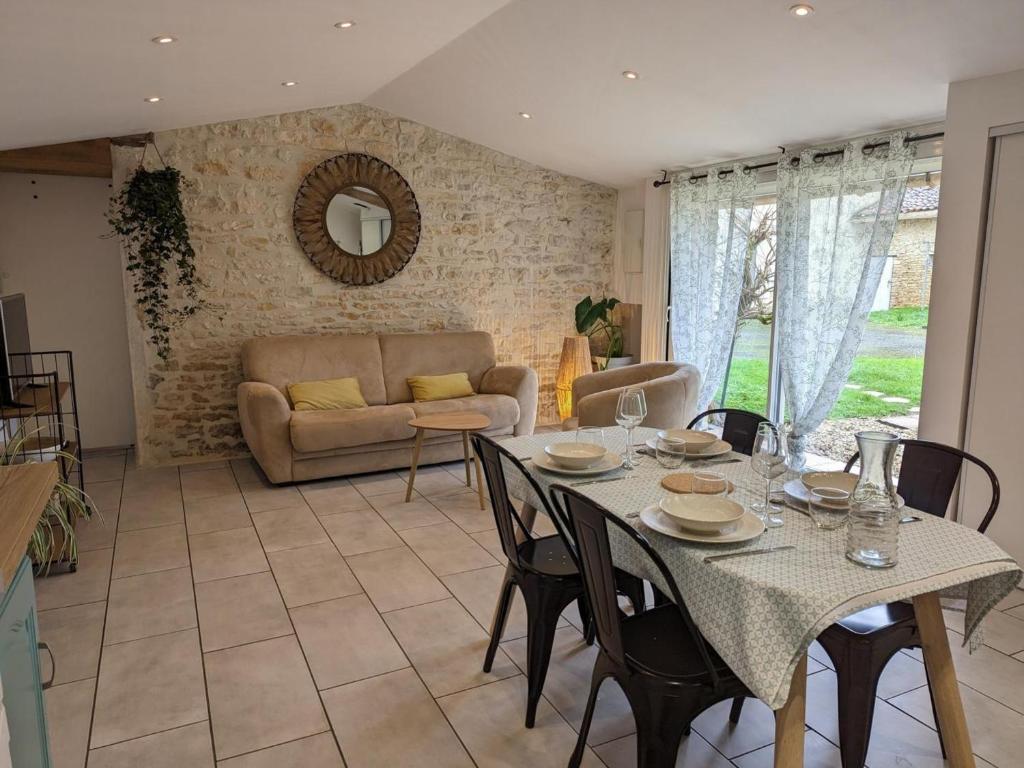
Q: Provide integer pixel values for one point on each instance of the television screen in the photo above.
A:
(14, 360)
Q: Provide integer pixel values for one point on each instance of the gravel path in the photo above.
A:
(835, 439)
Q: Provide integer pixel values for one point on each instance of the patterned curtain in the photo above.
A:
(836, 217)
(710, 225)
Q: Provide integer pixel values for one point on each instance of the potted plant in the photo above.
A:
(53, 539)
(594, 318)
(147, 215)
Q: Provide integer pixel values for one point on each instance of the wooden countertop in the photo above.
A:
(24, 491)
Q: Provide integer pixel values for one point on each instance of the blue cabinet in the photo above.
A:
(19, 673)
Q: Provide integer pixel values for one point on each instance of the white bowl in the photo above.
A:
(575, 455)
(704, 514)
(696, 440)
(844, 481)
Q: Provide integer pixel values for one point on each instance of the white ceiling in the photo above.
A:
(80, 69)
(719, 79)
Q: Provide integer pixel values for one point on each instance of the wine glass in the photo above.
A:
(629, 414)
(769, 461)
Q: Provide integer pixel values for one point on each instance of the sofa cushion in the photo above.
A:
(502, 410)
(327, 395)
(430, 354)
(326, 430)
(283, 360)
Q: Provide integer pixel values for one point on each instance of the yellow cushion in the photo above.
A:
(326, 395)
(444, 387)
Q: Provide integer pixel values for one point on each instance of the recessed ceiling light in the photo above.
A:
(629, 74)
(526, 115)
(345, 24)
(290, 83)
(801, 10)
(152, 99)
(165, 39)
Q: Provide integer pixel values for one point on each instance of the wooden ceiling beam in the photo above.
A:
(76, 158)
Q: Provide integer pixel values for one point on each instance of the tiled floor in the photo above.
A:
(259, 627)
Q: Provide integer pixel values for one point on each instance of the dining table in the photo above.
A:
(761, 613)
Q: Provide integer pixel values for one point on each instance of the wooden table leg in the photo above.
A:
(789, 721)
(415, 460)
(465, 451)
(942, 677)
(479, 480)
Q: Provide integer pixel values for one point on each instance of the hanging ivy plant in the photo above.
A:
(147, 215)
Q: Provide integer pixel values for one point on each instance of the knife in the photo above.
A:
(762, 551)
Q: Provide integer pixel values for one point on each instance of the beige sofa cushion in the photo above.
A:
(283, 360)
(502, 410)
(430, 354)
(327, 430)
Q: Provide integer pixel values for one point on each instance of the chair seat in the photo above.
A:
(878, 618)
(657, 641)
(548, 556)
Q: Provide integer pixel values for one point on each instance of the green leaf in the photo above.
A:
(581, 313)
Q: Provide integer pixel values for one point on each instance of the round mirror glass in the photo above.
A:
(358, 220)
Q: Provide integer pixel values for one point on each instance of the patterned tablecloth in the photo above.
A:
(762, 612)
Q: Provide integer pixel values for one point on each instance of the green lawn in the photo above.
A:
(901, 317)
(899, 376)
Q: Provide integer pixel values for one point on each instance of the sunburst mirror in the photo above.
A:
(357, 219)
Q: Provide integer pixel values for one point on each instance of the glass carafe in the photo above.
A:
(872, 537)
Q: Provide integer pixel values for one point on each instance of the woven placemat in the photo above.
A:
(682, 482)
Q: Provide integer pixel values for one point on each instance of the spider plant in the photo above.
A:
(53, 539)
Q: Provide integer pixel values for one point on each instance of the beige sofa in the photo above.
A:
(302, 445)
(670, 390)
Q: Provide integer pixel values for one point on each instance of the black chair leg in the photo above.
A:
(588, 714)
(857, 679)
(736, 710)
(544, 606)
(661, 722)
(632, 587)
(501, 612)
(587, 620)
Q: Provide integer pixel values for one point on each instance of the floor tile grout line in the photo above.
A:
(295, 632)
(198, 628)
(147, 735)
(106, 611)
(412, 666)
(280, 744)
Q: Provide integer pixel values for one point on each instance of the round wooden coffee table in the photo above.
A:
(457, 421)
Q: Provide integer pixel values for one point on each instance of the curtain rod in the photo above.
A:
(796, 160)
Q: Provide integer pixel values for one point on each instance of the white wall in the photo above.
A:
(52, 251)
(648, 288)
(973, 107)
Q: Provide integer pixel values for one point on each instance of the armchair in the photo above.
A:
(670, 388)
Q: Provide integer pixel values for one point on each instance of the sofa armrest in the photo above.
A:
(516, 381)
(265, 417)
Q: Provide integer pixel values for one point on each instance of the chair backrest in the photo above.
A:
(506, 518)
(929, 473)
(740, 427)
(590, 523)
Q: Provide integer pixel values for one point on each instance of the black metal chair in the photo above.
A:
(542, 567)
(740, 427)
(862, 644)
(668, 672)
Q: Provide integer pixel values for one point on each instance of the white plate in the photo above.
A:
(719, 448)
(610, 461)
(797, 495)
(749, 527)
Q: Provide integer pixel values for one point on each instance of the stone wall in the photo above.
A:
(506, 247)
(913, 243)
